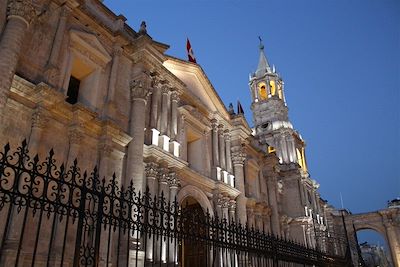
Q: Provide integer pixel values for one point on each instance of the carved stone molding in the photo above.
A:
(175, 96)
(151, 170)
(232, 205)
(173, 180)
(140, 89)
(163, 176)
(214, 124)
(238, 156)
(22, 9)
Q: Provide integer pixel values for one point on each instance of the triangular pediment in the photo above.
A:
(89, 45)
(198, 84)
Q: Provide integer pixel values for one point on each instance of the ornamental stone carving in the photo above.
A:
(140, 88)
(163, 176)
(173, 180)
(238, 156)
(151, 170)
(175, 96)
(232, 205)
(22, 9)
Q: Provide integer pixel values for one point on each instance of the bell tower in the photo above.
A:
(270, 114)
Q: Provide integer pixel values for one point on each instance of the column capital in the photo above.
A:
(221, 129)
(117, 50)
(227, 135)
(175, 96)
(214, 124)
(232, 205)
(238, 156)
(151, 170)
(163, 176)
(173, 180)
(140, 87)
(39, 119)
(22, 9)
(75, 135)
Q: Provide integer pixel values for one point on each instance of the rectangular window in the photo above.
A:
(73, 90)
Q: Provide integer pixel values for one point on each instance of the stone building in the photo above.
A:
(76, 78)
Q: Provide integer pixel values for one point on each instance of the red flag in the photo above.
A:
(190, 51)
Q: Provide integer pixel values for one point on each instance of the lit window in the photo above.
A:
(272, 86)
(262, 91)
(271, 149)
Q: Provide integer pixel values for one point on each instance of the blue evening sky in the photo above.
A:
(340, 61)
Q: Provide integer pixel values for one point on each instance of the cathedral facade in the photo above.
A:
(75, 78)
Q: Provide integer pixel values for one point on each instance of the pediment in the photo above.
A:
(198, 84)
(89, 45)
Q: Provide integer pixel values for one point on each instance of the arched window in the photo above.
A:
(272, 86)
(262, 91)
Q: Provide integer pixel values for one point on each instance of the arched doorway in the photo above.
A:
(373, 248)
(192, 251)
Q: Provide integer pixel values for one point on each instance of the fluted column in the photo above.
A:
(173, 182)
(151, 171)
(221, 143)
(215, 139)
(140, 89)
(174, 114)
(232, 209)
(164, 110)
(238, 158)
(163, 191)
(20, 14)
(155, 106)
(228, 151)
(52, 71)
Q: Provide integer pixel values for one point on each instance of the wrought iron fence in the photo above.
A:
(58, 216)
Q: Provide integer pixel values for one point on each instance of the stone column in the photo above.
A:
(225, 209)
(221, 143)
(151, 171)
(215, 138)
(250, 217)
(173, 182)
(39, 122)
(238, 158)
(20, 14)
(155, 104)
(228, 151)
(164, 110)
(163, 191)
(232, 209)
(105, 150)
(174, 114)
(140, 89)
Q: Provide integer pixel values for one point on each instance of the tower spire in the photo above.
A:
(263, 65)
